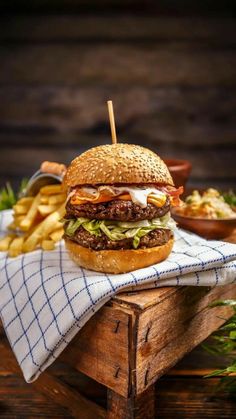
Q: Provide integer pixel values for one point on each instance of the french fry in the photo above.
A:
(5, 242)
(43, 230)
(44, 199)
(27, 201)
(31, 215)
(31, 243)
(22, 206)
(48, 245)
(18, 219)
(56, 199)
(51, 189)
(57, 235)
(47, 209)
(58, 226)
(12, 225)
(20, 209)
(15, 248)
(38, 220)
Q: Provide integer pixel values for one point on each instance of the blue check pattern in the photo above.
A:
(45, 299)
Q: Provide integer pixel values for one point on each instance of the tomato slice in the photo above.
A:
(124, 197)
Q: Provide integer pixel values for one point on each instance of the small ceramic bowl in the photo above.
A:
(179, 170)
(210, 229)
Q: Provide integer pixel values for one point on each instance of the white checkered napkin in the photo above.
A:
(45, 298)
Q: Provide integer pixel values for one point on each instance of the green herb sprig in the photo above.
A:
(8, 197)
(225, 344)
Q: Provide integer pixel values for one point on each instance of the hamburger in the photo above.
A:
(118, 208)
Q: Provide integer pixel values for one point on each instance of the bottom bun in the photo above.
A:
(117, 261)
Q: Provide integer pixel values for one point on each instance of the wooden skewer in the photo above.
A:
(112, 121)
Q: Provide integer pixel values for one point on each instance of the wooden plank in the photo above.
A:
(70, 6)
(101, 349)
(173, 328)
(115, 28)
(107, 6)
(176, 397)
(142, 406)
(187, 64)
(78, 405)
(19, 400)
(140, 301)
(205, 165)
(192, 398)
(173, 116)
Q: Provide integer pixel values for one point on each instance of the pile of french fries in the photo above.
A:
(36, 222)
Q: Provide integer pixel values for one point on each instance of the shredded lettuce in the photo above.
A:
(118, 230)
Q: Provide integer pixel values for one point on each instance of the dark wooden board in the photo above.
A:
(187, 117)
(51, 387)
(172, 80)
(192, 398)
(115, 28)
(200, 7)
(187, 64)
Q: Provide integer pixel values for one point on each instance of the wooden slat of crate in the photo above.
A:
(101, 349)
(170, 329)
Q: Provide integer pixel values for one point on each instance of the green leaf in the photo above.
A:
(117, 230)
(232, 334)
(23, 185)
(223, 303)
(229, 326)
(230, 198)
(225, 343)
(7, 197)
(216, 373)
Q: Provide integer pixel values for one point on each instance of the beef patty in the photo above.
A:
(156, 237)
(117, 210)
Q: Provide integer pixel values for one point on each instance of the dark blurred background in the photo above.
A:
(168, 66)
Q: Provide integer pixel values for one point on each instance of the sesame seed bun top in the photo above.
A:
(117, 163)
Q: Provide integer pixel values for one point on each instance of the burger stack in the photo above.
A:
(118, 208)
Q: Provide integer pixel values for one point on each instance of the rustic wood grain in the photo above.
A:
(192, 398)
(188, 117)
(101, 349)
(142, 406)
(162, 341)
(180, 7)
(187, 64)
(116, 28)
(140, 301)
(176, 397)
(55, 389)
(173, 88)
